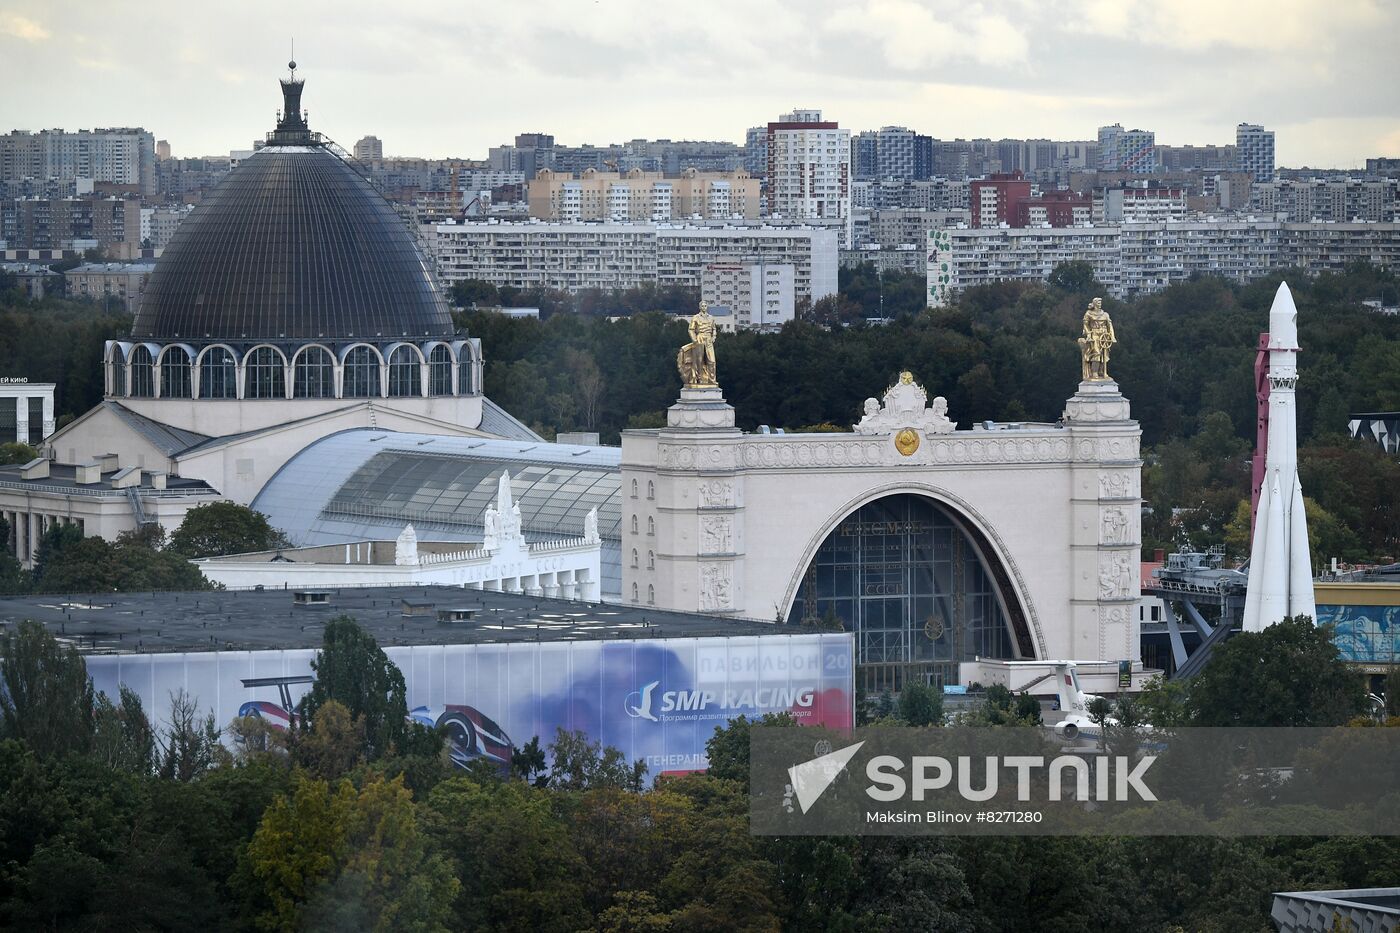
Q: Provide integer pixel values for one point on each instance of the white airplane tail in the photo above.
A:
(1072, 699)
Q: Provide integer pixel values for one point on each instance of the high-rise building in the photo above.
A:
(865, 156)
(756, 151)
(891, 152)
(1123, 150)
(162, 150)
(1254, 151)
(369, 149)
(809, 171)
(119, 155)
(994, 199)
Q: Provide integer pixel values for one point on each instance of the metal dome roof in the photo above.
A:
(293, 244)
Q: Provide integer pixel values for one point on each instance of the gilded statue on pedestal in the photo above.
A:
(696, 361)
(1098, 339)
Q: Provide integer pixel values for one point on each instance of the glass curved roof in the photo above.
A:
(292, 244)
(364, 480)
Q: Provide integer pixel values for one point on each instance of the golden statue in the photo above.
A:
(696, 361)
(1098, 339)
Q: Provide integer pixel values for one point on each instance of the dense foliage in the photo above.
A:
(60, 341)
(224, 528)
(100, 828)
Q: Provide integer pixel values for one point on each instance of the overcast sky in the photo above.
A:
(452, 78)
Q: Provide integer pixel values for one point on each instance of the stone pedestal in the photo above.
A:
(701, 409)
(1097, 402)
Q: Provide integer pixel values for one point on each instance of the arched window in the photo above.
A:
(651, 560)
(405, 374)
(264, 374)
(651, 490)
(634, 489)
(634, 557)
(143, 373)
(651, 525)
(175, 374)
(651, 595)
(634, 524)
(218, 376)
(361, 373)
(440, 371)
(118, 372)
(313, 374)
(634, 592)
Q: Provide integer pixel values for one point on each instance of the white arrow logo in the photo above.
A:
(811, 778)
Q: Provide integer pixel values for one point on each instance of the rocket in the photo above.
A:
(1280, 568)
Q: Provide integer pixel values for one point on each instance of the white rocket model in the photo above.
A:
(1280, 569)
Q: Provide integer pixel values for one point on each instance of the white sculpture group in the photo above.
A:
(906, 405)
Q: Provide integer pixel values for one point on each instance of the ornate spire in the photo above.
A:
(291, 124)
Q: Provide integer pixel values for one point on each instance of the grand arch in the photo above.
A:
(928, 559)
(734, 520)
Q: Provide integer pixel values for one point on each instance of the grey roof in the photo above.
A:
(252, 620)
(169, 439)
(295, 244)
(62, 478)
(496, 420)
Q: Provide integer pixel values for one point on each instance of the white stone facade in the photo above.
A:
(729, 522)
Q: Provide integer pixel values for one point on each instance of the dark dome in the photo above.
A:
(293, 244)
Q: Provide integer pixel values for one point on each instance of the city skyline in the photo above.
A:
(1014, 70)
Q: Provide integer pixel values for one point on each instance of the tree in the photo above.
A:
(344, 859)
(46, 698)
(1290, 674)
(528, 763)
(52, 543)
(1076, 277)
(921, 705)
(224, 528)
(333, 745)
(16, 452)
(190, 744)
(14, 579)
(580, 764)
(728, 749)
(122, 735)
(514, 844)
(134, 562)
(354, 671)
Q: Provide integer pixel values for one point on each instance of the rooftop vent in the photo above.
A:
(311, 599)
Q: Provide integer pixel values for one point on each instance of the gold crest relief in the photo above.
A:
(906, 441)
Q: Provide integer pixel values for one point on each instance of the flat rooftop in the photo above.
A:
(250, 620)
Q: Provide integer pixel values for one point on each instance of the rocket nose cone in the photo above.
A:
(1283, 320)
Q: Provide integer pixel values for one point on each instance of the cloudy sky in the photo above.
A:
(452, 78)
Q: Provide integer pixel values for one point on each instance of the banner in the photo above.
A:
(658, 700)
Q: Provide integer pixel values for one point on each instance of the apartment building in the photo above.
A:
(110, 224)
(809, 171)
(1135, 204)
(117, 155)
(638, 196)
(1254, 151)
(1123, 150)
(760, 296)
(1147, 257)
(578, 256)
(114, 284)
(1335, 199)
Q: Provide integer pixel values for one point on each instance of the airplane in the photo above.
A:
(1077, 726)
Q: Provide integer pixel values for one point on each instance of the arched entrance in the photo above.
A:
(918, 587)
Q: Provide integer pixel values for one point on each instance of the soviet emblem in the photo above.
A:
(906, 442)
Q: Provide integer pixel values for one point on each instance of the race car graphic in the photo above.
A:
(471, 735)
(275, 715)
